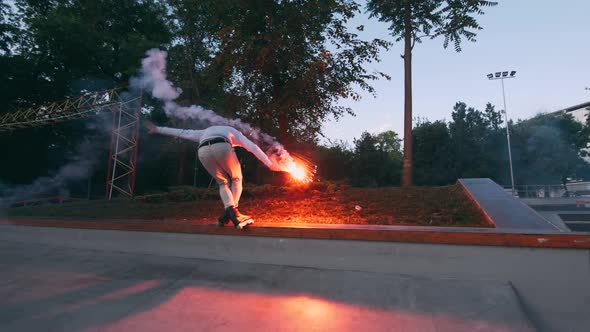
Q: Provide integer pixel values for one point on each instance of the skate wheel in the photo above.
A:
(244, 223)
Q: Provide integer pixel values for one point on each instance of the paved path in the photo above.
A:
(53, 288)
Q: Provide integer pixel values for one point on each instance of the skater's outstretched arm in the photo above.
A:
(241, 140)
(192, 135)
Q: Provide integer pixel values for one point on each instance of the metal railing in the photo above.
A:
(574, 189)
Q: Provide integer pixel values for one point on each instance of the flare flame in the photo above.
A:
(300, 169)
(297, 172)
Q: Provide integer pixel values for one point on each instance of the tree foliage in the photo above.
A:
(280, 65)
(194, 27)
(377, 160)
(335, 161)
(453, 20)
(550, 149)
(475, 137)
(546, 149)
(8, 29)
(433, 154)
(287, 62)
(88, 44)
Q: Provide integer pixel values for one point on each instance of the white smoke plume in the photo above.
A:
(153, 79)
(153, 76)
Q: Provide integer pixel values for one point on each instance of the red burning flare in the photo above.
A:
(297, 172)
(301, 170)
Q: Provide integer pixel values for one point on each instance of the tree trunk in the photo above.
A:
(181, 165)
(407, 166)
(283, 127)
(194, 95)
(281, 112)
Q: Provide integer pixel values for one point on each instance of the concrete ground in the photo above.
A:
(56, 287)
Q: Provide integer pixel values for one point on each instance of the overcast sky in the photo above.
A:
(546, 42)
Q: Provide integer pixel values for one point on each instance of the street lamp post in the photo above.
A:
(501, 76)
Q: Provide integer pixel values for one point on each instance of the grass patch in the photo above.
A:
(321, 202)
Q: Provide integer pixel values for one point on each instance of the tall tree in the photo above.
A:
(413, 20)
(287, 62)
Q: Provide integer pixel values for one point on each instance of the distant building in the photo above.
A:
(579, 112)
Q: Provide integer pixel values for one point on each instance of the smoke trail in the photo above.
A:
(153, 79)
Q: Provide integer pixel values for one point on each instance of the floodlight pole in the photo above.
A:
(502, 76)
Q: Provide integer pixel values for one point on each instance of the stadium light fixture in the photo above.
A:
(501, 76)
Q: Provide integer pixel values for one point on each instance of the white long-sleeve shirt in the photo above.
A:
(233, 136)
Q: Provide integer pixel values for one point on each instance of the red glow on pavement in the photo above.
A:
(205, 309)
(309, 308)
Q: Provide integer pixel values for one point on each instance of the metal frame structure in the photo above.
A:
(89, 104)
(126, 111)
(123, 151)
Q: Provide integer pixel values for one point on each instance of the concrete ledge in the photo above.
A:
(442, 235)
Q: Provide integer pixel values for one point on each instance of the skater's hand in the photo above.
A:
(150, 126)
